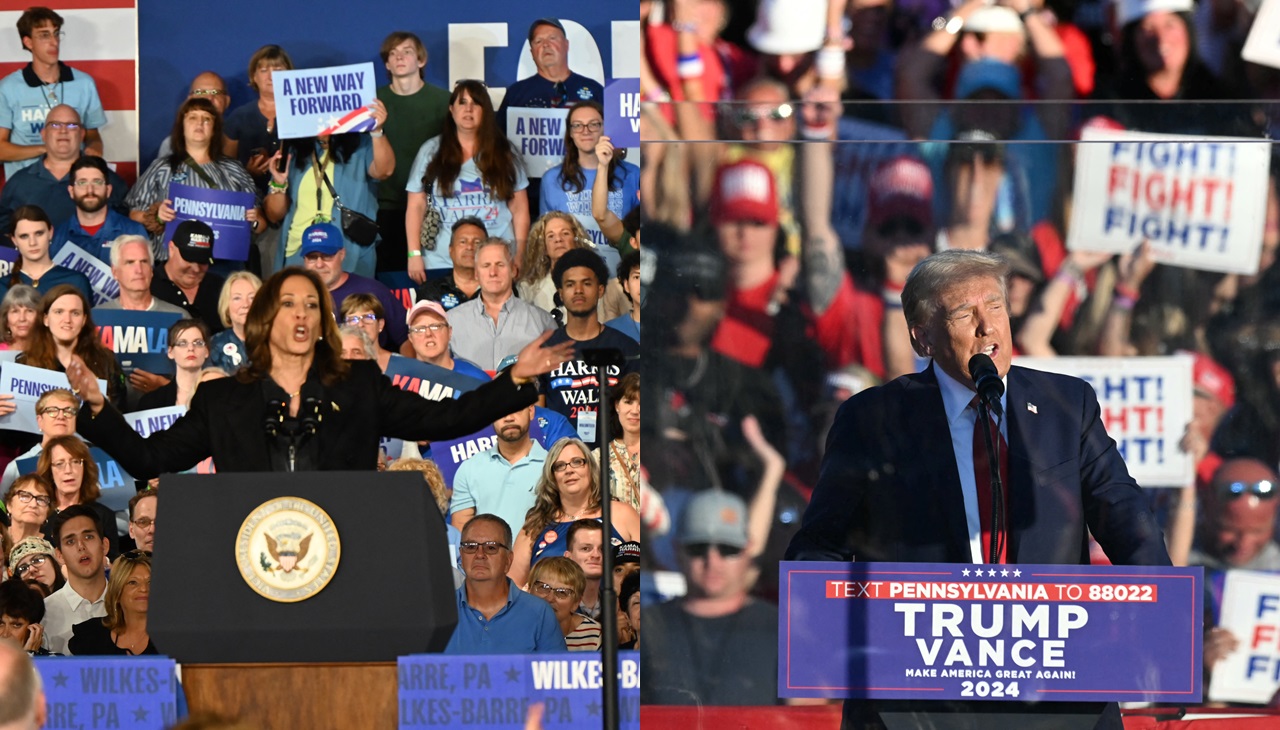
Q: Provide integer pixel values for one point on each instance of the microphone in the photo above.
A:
(276, 409)
(986, 379)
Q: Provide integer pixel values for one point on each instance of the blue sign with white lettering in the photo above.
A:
(622, 113)
(118, 487)
(140, 340)
(493, 692)
(942, 631)
(133, 693)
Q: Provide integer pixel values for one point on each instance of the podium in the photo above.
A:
(330, 655)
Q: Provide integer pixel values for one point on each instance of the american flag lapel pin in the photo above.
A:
(1032, 407)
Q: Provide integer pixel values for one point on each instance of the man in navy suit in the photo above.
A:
(898, 482)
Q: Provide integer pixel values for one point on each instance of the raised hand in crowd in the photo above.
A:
(1038, 329)
(534, 359)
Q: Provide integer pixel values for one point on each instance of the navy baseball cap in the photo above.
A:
(323, 238)
(546, 21)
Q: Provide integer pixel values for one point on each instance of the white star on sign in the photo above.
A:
(1004, 572)
(965, 572)
(992, 572)
(1016, 572)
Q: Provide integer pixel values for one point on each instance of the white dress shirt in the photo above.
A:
(65, 608)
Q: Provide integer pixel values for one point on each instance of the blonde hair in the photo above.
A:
(224, 297)
(430, 473)
(537, 264)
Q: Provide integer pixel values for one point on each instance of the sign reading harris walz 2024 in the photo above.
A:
(492, 692)
(947, 631)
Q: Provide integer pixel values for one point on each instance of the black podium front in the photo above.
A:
(391, 592)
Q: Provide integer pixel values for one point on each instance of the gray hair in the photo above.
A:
(942, 270)
(350, 330)
(495, 241)
(121, 241)
(19, 295)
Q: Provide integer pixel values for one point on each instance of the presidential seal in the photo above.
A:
(288, 549)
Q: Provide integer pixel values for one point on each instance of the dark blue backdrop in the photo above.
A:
(177, 40)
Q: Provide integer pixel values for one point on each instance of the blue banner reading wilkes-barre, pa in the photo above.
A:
(946, 631)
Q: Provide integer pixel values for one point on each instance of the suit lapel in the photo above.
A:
(1020, 418)
(927, 424)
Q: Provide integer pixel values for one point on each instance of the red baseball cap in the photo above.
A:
(1213, 379)
(744, 190)
(901, 186)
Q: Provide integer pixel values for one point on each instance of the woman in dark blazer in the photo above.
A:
(299, 406)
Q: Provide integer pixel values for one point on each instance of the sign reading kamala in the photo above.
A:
(1251, 612)
(1199, 201)
(429, 381)
(539, 135)
(622, 112)
(135, 693)
(1146, 406)
(492, 692)
(139, 339)
(223, 210)
(332, 100)
(939, 631)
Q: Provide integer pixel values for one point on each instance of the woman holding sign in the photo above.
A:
(298, 406)
(471, 169)
(65, 333)
(31, 233)
(198, 160)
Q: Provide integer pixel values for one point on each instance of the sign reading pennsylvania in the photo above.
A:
(138, 693)
(944, 631)
(492, 692)
(138, 339)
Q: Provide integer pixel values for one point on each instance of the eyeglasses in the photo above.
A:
(1263, 489)
(67, 412)
(184, 344)
(25, 497)
(143, 522)
(594, 126)
(358, 318)
(49, 35)
(35, 562)
(753, 116)
(558, 93)
(208, 92)
(65, 463)
(422, 329)
(135, 555)
(701, 549)
(69, 126)
(543, 589)
(94, 183)
(576, 462)
(490, 548)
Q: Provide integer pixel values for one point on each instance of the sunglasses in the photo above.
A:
(701, 549)
(1263, 489)
(747, 117)
(135, 555)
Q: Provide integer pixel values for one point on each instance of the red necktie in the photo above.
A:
(982, 478)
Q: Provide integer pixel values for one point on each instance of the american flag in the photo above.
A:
(101, 40)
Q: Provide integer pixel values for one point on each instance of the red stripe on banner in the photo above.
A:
(69, 4)
(116, 81)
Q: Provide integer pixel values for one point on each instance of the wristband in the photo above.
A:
(892, 296)
(415, 253)
(376, 133)
(681, 26)
(278, 186)
(689, 69)
(817, 134)
(1071, 274)
(1127, 293)
(1123, 303)
(830, 62)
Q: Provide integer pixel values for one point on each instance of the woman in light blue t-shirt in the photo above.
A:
(473, 170)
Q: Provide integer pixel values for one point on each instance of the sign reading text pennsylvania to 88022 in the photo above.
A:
(942, 631)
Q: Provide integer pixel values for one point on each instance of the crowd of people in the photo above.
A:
(500, 274)
(802, 158)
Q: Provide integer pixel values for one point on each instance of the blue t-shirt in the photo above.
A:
(227, 351)
(470, 197)
(53, 277)
(25, 101)
(626, 325)
(621, 201)
(97, 244)
(538, 93)
(526, 625)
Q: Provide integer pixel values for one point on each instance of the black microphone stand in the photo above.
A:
(602, 358)
(997, 487)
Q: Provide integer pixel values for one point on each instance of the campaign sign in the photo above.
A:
(953, 631)
(1199, 201)
(429, 381)
(223, 210)
(1263, 44)
(539, 135)
(8, 257)
(154, 419)
(311, 102)
(494, 692)
(140, 340)
(1146, 406)
(133, 693)
(404, 288)
(102, 282)
(1251, 612)
(26, 384)
(622, 112)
